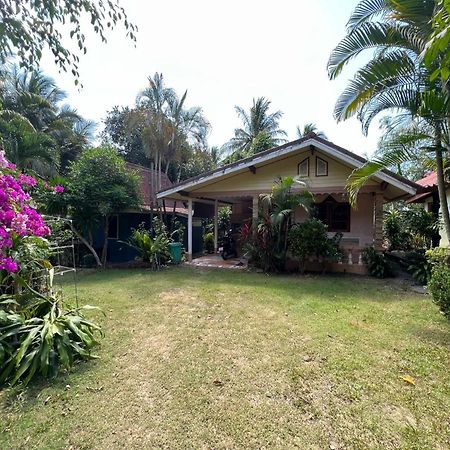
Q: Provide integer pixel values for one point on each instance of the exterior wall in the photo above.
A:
(264, 177)
(361, 232)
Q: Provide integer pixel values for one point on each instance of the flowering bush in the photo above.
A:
(17, 217)
(38, 332)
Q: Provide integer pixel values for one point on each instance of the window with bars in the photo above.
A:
(335, 215)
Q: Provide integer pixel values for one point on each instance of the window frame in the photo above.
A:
(318, 158)
(331, 204)
(307, 165)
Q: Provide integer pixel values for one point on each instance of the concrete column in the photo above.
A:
(378, 221)
(190, 230)
(216, 225)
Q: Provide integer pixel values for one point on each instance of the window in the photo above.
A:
(303, 168)
(334, 214)
(321, 167)
(113, 227)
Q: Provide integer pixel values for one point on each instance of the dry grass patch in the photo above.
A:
(220, 360)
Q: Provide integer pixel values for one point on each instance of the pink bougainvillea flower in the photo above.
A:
(26, 180)
(58, 189)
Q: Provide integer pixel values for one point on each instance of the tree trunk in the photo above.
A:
(441, 189)
(105, 242)
(88, 246)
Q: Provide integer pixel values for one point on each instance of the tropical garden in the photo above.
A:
(253, 359)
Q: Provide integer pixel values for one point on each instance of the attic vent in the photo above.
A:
(321, 167)
(303, 168)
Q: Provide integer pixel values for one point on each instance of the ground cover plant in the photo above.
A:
(228, 359)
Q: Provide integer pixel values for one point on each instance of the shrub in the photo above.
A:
(439, 255)
(208, 242)
(439, 286)
(152, 249)
(43, 343)
(394, 231)
(309, 239)
(377, 263)
(37, 332)
(419, 266)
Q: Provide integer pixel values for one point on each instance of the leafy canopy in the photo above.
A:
(28, 27)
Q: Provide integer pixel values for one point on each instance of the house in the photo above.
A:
(325, 168)
(429, 197)
(122, 223)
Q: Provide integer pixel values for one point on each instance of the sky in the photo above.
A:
(225, 54)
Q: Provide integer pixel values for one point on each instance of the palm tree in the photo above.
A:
(167, 124)
(394, 79)
(287, 195)
(260, 129)
(310, 128)
(28, 148)
(34, 100)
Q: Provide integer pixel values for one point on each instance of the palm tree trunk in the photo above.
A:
(441, 189)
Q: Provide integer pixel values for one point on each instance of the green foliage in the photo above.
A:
(394, 231)
(260, 130)
(267, 247)
(377, 263)
(208, 242)
(310, 239)
(153, 249)
(419, 266)
(439, 286)
(410, 228)
(439, 256)
(32, 27)
(44, 343)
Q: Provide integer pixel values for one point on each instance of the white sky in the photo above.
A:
(225, 54)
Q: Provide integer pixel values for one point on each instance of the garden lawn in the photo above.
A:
(205, 359)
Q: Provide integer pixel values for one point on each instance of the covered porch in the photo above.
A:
(323, 166)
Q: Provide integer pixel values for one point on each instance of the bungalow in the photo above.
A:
(429, 197)
(324, 166)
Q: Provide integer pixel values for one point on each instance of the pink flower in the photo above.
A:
(58, 189)
(8, 264)
(26, 180)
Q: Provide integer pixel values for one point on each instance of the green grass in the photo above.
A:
(197, 359)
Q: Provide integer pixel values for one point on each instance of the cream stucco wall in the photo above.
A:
(262, 180)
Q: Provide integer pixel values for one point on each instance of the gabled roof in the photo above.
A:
(339, 153)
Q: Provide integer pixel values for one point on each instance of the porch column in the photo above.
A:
(190, 230)
(378, 221)
(255, 207)
(216, 225)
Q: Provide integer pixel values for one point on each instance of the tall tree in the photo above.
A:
(99, 184)
(35, 101)
(29, 27)
(260, 130)
(394, 79)
(310, 128)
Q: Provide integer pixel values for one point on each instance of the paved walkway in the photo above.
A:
(218, 261)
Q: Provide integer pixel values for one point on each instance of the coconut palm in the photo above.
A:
(310, 128)
(259, 127)
(394, 79)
